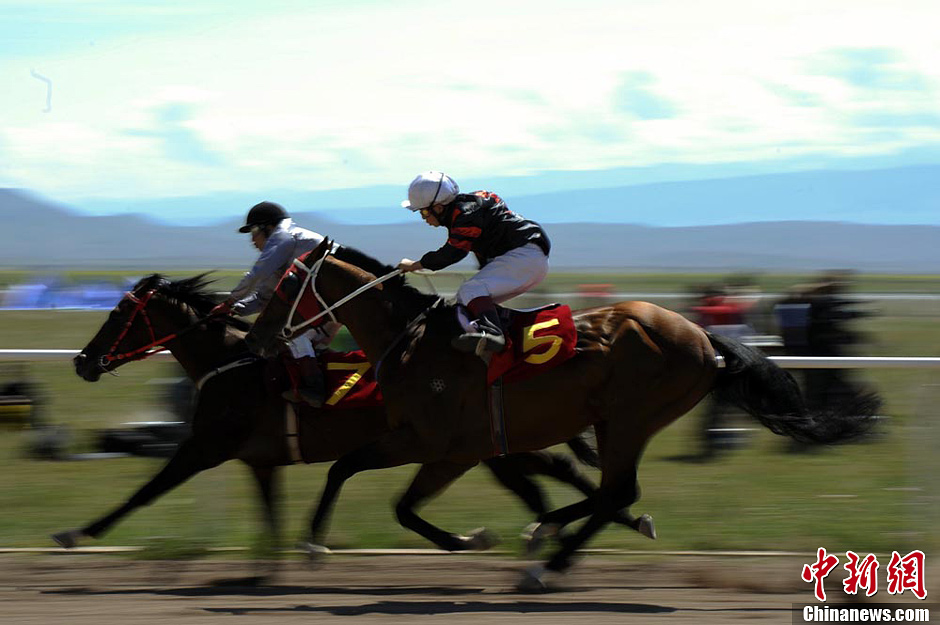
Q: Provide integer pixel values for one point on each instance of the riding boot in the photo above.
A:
(310, 387)
(486, 335)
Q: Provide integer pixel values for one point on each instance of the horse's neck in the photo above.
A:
(203, 348)
(368, 321)
(371, 334)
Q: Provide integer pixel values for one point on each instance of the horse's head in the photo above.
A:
(276, 324)
(126, 329)
(324, 277)
(148, 317)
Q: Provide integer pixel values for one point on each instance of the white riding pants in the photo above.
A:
(303, 346)
(506, 276)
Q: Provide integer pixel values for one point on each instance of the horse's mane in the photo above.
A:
(192, 292)
(407, 301)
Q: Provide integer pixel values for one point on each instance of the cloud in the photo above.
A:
(175, 96)
(634, 96)
(870, 68)
(179, 141)
(893, 119)
(794, 96)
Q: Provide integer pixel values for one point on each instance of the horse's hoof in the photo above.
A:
(528, 531)
(68, 539)
(316, 554)
(532, 580)
(645, 526)
(535, 535)
(481, 539)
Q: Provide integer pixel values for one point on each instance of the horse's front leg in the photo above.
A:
(430, 480)
(513, 472)
(192, 456)
(270, 543)
(394, 449)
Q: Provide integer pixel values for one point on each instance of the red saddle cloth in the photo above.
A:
(350, 380)
(536, 341)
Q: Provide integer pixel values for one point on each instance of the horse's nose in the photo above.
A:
(80, 360)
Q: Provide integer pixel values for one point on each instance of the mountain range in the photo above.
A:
(654, 196)
(822, 227)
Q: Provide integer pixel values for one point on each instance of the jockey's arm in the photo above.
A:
(446, 256)
(273, 259)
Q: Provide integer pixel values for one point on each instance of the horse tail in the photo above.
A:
(752, 382)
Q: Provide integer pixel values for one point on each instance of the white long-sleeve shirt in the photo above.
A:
(287, 242)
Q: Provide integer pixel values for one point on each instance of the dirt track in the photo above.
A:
(396, 589)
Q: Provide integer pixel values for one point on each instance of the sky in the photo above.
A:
(153, 100)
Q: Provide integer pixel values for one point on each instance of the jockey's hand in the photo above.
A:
(406, 265)
(225, 308)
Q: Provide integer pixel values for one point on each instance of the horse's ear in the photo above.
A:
(152, 281)
(317, 253)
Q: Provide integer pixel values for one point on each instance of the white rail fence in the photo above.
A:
(787, 362)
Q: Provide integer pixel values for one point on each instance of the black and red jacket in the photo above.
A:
(481, 223)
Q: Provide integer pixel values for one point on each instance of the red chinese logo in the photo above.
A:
(819, 570)
(907, 573)
(862, 574)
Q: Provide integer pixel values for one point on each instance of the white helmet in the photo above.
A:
(430, 188)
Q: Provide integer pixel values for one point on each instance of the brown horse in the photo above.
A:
(239, 415)
(637, 368)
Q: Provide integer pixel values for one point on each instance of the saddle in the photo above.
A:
(349, 377)
(537, 339)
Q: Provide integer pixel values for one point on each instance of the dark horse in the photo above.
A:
(238, 415)
(637, 368)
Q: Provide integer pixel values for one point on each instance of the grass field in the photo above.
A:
(873, 497)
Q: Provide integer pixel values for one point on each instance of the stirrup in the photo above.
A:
(479, 343)
(304, 396)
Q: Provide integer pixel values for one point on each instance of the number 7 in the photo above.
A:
(358, 370)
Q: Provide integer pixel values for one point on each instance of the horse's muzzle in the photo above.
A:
(86, 367)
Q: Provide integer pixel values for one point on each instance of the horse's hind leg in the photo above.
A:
(618, 490)
(190, 458)
(394, 449)
(563, 468)
(513, 471)
(606, 504)
(430, 480)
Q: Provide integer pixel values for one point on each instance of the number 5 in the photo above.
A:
(530, 342)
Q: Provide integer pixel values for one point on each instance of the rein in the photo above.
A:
(411, 324)
(241, 362)
(290, 329)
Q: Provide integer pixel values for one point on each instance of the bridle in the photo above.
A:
(145, 351)
(310, 279)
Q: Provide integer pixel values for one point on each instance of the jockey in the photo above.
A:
(512, 252)
(280, 241)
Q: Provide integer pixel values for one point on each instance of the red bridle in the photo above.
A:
(141, 352)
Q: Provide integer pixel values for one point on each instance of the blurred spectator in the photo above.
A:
(814, 320)
(57, 292)
(724, 310)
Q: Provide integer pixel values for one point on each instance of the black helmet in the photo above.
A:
(264, 213)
